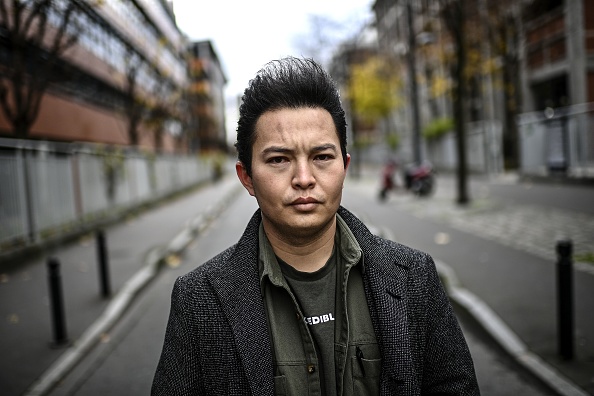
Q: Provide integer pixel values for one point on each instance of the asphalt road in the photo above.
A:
(125, 361)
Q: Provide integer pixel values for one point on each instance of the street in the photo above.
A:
(125, 361)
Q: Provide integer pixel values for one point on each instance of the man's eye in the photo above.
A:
(324, 157)
(276, 160)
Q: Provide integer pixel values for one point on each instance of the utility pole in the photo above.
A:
(414, 95)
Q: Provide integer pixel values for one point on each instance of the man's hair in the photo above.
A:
(287, 83)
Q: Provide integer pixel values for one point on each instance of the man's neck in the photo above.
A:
(304, 255)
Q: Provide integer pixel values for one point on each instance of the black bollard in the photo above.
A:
(57, 303)
(565, 298)
(103, 261)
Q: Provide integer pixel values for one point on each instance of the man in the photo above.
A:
(308, 302)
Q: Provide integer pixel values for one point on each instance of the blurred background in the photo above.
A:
(130, 103)
(110, 106)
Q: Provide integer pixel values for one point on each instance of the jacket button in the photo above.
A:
(311, 369)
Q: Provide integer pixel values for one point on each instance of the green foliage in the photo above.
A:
(373, 89)
(113, 161)
(437, 128)
(361, 142)
(112, 158)
(587, 257)
(216, 161)
(393, 140)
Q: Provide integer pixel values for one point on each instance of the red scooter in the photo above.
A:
(420, 179)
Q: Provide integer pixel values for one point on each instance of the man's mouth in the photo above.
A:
(304, 200)
(305, 203)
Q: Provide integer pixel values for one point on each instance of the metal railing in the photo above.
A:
(483, 148)
(46, 191)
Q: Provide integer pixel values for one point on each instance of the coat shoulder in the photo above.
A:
(404, 255)
(207, 269)
(382, 251)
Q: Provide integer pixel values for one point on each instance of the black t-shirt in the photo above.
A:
(316, 292)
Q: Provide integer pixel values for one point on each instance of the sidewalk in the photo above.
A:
(135, 250)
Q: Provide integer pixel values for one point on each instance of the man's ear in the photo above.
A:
(347, 162)
(244, 178)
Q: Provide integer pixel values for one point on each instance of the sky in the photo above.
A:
(246, 34)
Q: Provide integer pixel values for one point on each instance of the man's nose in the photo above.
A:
(303, 176)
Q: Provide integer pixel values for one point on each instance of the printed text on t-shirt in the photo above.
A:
(314, 320)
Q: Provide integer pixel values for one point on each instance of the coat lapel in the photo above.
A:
(385, 288)
(385, 282)
(238, 288)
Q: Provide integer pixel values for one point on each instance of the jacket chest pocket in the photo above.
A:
(294, 379)
(366, 375)
(280, 385)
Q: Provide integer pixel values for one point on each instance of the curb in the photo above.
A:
(500, 332)
(503, 335)
(122, 300)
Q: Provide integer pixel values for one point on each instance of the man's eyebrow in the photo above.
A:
(276, 149)
(281, 149)
(328, 146)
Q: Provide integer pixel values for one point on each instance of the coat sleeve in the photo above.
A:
(448, 368)
(178, 370)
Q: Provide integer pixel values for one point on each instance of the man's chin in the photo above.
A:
(309, 225)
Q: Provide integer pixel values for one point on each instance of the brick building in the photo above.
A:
(123, 82)
(207, 101)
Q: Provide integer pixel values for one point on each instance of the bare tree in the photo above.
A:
(505, 24)
(160, 112)
(135, 109)
(35, 35)
(453, 13)
(326, 34)
(321, 39)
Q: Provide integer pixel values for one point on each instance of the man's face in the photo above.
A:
(297, 172)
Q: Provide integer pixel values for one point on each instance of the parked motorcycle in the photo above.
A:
(419, 179)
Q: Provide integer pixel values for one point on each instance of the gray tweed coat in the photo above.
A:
(217, 340)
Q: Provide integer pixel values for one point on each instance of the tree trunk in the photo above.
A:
(454, 17)
(511, 82)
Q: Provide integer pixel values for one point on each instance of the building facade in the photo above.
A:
(559, 53)
(123, 82)
(207, 100)
(522, 57)
(557, 124)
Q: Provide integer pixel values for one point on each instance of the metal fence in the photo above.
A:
(46, 191)
(558, 141)
(483, 148)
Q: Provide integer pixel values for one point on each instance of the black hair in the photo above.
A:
(287, 83)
